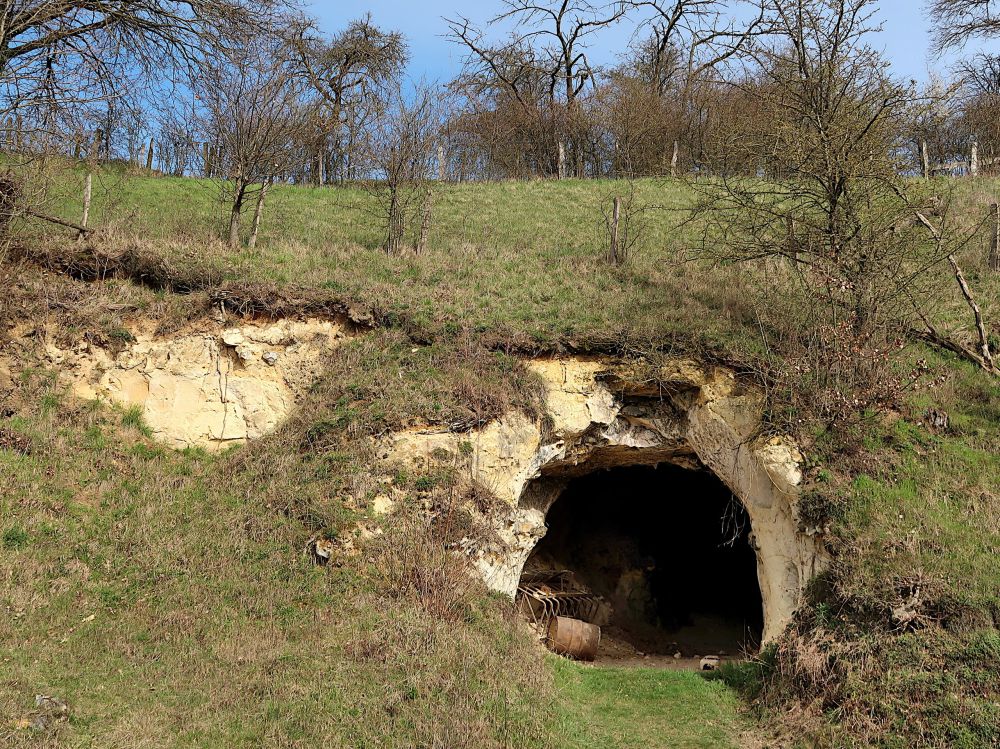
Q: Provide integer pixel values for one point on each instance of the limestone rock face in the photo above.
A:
(706, 418)
(208, 388)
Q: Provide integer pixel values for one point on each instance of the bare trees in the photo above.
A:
(60, 55)
(249, 107)
(537, 91)
(549, 47)
(825, 215)
(979, 94)
(350, 75)
(399, 152)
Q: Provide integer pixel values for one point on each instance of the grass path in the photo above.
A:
(605, 708)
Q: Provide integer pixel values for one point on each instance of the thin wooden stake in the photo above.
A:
(615, 218)
(88, 189)
(425, 224)
(993, 261)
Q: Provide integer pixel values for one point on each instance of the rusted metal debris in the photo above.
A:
(555, 604)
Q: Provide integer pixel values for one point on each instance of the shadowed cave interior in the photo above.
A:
(668, 549)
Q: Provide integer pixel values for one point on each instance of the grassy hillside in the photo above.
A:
(523, 259)
(169, 598)
(211, 624)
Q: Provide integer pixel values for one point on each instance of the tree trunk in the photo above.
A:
(442, 165)
(984, 341)
(95, 152)
(396, 224)
(149, 155)
(234, 218)
(974, 160)
(206, 158)
(88, 187)
(925, 162)
(561, 166)
(255, 228)
(425, 223)
(993, 261)
(615, 254)
(673, 159)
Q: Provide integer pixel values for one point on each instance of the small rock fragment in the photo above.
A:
(322, 549)
(47, 711)
(383, 505)
(270, 358)
(937, 419)
(232, 338)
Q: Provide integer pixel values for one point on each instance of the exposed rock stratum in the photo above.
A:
(601, 416)
(216, 387)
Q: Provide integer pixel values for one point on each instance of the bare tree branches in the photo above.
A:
(249, 107)
(56, 54)
(817, 203)
(956, 22)
(351, 74)
(399, 152)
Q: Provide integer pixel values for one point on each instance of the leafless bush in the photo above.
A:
(399, 153)
(625, 221)
(249, 107)
(827, 215)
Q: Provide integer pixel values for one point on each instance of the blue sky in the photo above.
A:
(904, 38)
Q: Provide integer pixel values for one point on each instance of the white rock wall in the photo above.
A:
(588, 425)
(210, 388)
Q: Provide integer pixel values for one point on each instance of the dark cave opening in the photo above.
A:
(668, 550)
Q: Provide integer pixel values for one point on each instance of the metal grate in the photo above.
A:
(552, 593)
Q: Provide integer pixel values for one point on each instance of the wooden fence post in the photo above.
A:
(993, 261)
(616, 214)
(425, 223)
(88, 190)
(88, 183)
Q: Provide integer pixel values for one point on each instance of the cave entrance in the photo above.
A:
(668, 551)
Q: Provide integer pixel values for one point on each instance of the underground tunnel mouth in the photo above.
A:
(660, 558)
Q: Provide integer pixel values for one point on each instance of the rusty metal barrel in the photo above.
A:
(574, 638)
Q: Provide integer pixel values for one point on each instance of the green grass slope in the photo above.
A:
(213, 627)
(604, 708)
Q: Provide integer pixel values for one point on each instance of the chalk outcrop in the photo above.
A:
(216, 386)
(208, 388)
(600, 415)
